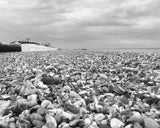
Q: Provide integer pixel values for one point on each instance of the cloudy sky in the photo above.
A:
(82, 23)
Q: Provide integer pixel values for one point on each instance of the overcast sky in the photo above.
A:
(82, 23)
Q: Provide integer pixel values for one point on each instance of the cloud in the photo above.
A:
(79, 23)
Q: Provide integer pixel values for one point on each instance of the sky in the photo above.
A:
(82, 23)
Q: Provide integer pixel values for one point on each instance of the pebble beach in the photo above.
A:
(80, 89)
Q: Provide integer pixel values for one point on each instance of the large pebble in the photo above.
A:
(41, 85)
(3, 106)
(50, 121)
(74, 123)
(23, 124)
(150, 123)
(128, 126)
(47, 104)
(37, 123)
(136, 117)
(32, 100)
(51, 80)
(87, 121)
(64, 125)
(93, 125)
(99, 117)
(12, 125)
(36, 116)
(4, 120)
(137, 125)
(71, 108)
(42, 111)
(116, 123)
(25, 115)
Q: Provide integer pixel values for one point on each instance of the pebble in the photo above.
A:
(129, 126)
(71, 108)
(116, 123)
(50, 121)
(87, 121)
(37, 123)
(3, 106)
(150, 123)
(36, 116)
(136, 117)
(99, 117)
(137, 125)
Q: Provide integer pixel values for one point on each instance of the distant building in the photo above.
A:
(28, 46)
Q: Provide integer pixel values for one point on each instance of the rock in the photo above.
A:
(12, 125)
(41, 85)
(50, 121)
(37, 123)
(128, 126)
(99, 117)
(25, 115)
(103, 124)
(64, 125)
(71, 108)
(137, 125)
(74, 123)
(22, 123)
(92, 107)
(42, 111)
(93, 125)
(80, 103)
(51, 80)
(32, 100)
(3, 106)
(150, 123)
(36, 116)
(87, 121)
(116, 123)
(66, 115)
(4, 121)
(105, 109)
(47, 104)
(136, 117)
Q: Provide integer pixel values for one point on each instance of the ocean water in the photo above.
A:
(145, 50)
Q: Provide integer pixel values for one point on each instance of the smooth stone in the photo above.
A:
(71, 108)
(25, 115)
(104, 124)
(150, 123)
(137, 125)
(36, 116)
(41, 85)
(37, 123)
(87, 121)
(74, 123)
(136, 117)
(23, 124)
(3, 106)
(12, 125)
(42, 111)
(92, 107)
(99, 117)
(116, 123)
(66, 115)
(93, 125)
(64, 125)
(50, 121)
(129, 126)
(32, 100)
(4, 121)
(47, 104)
